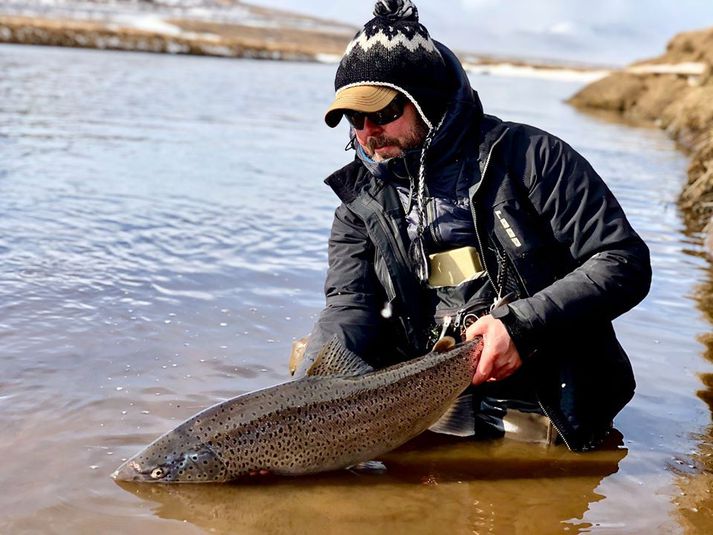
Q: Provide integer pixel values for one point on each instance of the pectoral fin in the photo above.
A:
(335, 359)
(368, 467)
(459, 419)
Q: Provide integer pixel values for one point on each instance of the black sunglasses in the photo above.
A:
(390, 113)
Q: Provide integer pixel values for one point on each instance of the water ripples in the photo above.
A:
(163, 241)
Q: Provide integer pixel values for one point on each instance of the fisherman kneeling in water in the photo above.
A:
(453, 222)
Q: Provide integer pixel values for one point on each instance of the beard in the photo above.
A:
(412, 140)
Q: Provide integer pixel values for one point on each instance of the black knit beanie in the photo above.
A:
(395, 50)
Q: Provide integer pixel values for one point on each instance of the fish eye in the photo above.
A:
(157, 473)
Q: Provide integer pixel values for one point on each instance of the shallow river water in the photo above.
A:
(163, 229)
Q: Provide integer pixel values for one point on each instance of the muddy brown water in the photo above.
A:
(162, 235)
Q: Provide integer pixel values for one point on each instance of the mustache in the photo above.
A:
(377, 142)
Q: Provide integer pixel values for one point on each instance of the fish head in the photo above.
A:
(172, 460)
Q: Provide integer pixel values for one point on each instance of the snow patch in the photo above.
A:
(153, 24)
(523, 71)
(327, 58)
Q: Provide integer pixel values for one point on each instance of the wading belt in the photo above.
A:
(454, 267)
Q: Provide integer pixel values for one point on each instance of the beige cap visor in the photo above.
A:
(364, 98)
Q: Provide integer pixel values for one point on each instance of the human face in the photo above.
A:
(390, 140)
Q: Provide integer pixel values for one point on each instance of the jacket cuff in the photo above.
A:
(517, 329)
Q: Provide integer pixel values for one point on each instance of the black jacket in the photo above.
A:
(573, 250)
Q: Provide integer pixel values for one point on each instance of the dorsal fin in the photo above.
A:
(335, 359)
(459, 419)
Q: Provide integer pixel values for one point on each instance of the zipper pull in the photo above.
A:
(446, 323)
(509, 298)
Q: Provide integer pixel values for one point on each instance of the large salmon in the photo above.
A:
(316, 423)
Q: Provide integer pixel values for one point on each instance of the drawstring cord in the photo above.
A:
(417, 250)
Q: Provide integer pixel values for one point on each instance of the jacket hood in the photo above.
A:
(464, 111)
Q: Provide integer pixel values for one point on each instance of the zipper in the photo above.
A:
(475, 216)
(390, 234)
(394, 245)
(405, 321)
(391, 288)
(554, 424)
(392, 231)
(487, 271)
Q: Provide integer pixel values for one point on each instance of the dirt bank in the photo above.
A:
(675, 92)
(177, 37)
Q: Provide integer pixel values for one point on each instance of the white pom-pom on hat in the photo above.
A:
(396, 10)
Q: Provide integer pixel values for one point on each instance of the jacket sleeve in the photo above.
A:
(353, 294)
(612, 271)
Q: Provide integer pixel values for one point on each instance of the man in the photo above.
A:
(455, 222)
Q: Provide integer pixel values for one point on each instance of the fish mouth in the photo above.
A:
(129, 471)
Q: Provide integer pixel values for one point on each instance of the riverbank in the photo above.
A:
(674, 92)
(247, 32)
(175, 36)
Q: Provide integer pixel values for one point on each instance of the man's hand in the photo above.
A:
(500, 358)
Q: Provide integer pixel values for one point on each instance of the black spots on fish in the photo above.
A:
(292, 428)
(295, 440)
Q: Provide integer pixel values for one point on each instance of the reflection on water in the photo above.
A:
(163, 233)
(429, 484)
(695, 503)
